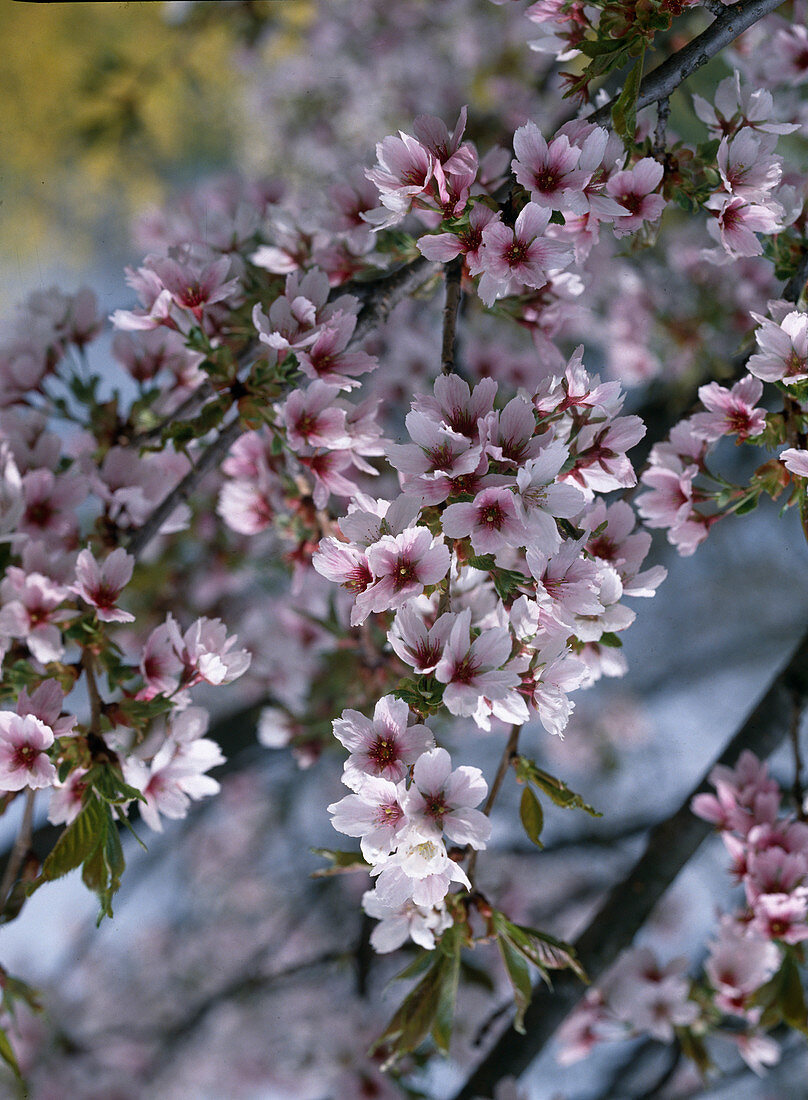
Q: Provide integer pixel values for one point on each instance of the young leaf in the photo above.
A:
(532, 816)
(8, 1055)
(527, 771)
(624, 112)
(341, 862)
(519, 977)
(76, 844)
(444, 1018)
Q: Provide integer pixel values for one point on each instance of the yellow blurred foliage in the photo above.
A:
(102, 105)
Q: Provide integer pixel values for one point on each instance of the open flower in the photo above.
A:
(100, 586)
(24, 762)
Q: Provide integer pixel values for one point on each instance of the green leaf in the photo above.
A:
(519, 977)
(545, 950)
(8, 1055)
(532, 816)
(91, 840)
(624, 112)
(748, 505)
(76, 844)
(444, 1018)
(341, 862)
(792, 996)
(103, 869)
(611, 640)
(527, 771)
(428, 1009)
(422, 961)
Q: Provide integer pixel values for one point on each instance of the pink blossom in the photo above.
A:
(435, 449)
(440, 800)
(45, 703)
(472, 669)
(634, 190)
(781, 917)
(327, 359)
(747, 166)
(402, 566)
(491, 520)
(419, 870)
(397, 923)
(327, 468)
(795, 460)
(737, 221)
(204, 653)
(248, 506)
(374, 813)
(739, 963)
(551, 171)
(67, 798)
(783, 354)
(100, 586)
(314, 419)
(736, 106)
(730, 412)
(383, 746)
(511, 258)
(443, 247)
(193, 284)
(418, 646)
(31, 612)
(342, 564)
(173, 778)
(601, 462)
(24, 762)
(457, 406)
(403, 172)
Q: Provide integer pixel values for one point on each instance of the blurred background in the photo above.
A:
(228, 971)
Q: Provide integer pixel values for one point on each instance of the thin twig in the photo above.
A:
(186, 409)
(21, 846)
(666, 78)
(454, 277)
(660, 133)
(96, 703)
(508, 754)
(207, 461)
(671, 845)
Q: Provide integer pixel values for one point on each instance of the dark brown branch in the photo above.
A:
(382, 295)
(22, 844)
(667, 77)
(454, 277)
(508, 755)
(207, 461)
(671, 845)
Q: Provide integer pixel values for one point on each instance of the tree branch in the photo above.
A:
(667, 77)
(454, 277)
(21, 845)
(671, 844)
(508, 754)
(384, 294)
(207, 460)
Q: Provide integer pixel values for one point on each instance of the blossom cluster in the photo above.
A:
(769, 858)
(503, 568)
(678, 478)
(406, 800)
(750, 171)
